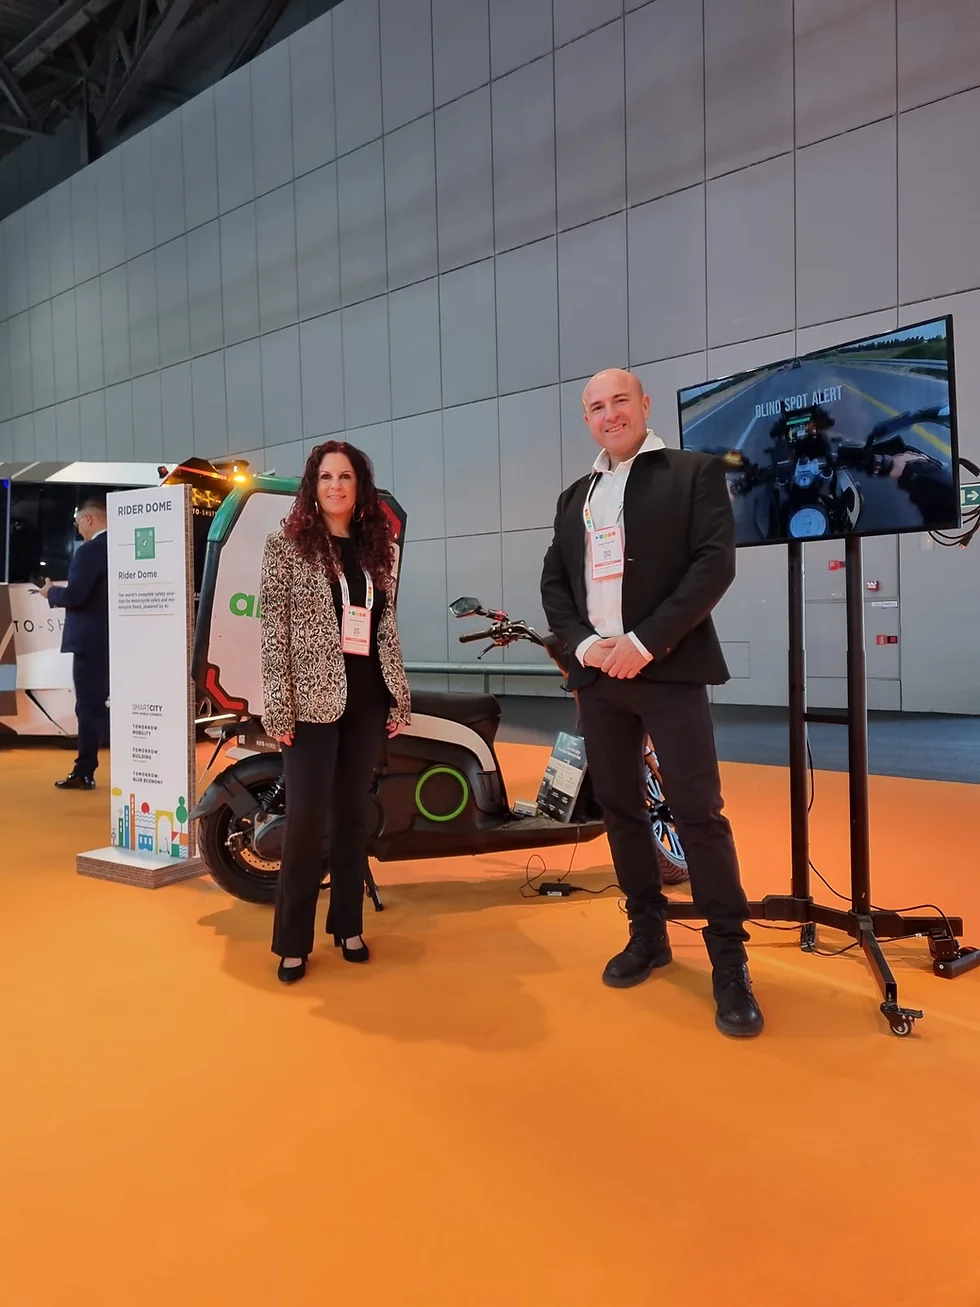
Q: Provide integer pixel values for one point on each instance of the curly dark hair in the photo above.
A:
(370, 527)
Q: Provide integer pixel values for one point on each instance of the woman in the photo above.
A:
(333, 680)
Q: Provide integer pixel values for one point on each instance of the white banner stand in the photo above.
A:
(151, 695)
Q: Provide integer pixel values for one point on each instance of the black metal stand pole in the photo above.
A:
(799, 776)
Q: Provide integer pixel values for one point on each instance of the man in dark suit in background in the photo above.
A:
(85, 599)
(644, 548)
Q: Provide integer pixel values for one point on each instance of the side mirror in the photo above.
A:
(466, 606)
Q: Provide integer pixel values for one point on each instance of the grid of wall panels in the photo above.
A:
(424, 222)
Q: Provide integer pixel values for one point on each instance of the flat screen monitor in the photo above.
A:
(859, 439)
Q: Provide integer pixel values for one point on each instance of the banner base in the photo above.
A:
(140, 869)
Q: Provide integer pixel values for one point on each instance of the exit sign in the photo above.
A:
(970, 496)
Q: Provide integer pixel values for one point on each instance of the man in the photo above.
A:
(85, 598)
(643, 551)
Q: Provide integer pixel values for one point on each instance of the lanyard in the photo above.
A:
(587, 512)
(369, 592)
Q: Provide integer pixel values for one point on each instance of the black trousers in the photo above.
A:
(90, 673)
(615, 716)
(329, 769)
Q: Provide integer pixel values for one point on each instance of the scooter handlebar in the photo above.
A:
(476, 635)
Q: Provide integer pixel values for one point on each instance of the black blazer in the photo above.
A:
(680, 560)
(86, 600)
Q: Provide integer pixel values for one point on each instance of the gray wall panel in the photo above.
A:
(68, 430)
(233, 137)
(60, 239)
(416, 382)
(239, 275)
(167, 158)
(15, 259)
(42, 356)
(88, 318)
(664, 99)
(6, 406)
(527, 317)
(208, 401)
(38, 252)
(469, 334)
(311, 83)
(243, 391)
(200, 151)
(45, 434)
(144, 314)
(322, 360)
(367, 376)
(406, 61)
(410, 204)
(111, 210)
(471, 445)
(137, 173)
(318, 250)
(464, 180)
(21, 395)
(178, 411)
(172, 302)
(520, 30)
(590, 114)
(282, 408)
(667, 311)
(91, 414)
(272, 119)
(357, 73)
(147, 418)
(460, 47)
(530, 458)
(524, 155)
(275, 221)
(84, 226)
(119, 444)
(63, 328)
(418, 475)
(592, 298)
(363, 255)
(115, 325)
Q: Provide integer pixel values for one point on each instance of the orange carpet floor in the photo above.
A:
(473, 1119)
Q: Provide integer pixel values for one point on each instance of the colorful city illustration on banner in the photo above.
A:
(147, 831)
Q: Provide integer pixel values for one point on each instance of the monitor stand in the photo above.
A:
(863, 922)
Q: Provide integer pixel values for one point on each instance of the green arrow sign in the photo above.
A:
(970, 496)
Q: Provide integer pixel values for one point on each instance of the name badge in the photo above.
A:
(355, 626)
(355, 634)
(607, 553)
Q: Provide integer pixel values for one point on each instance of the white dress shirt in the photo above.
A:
(604, 598)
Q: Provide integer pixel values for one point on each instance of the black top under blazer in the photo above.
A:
(680, 560)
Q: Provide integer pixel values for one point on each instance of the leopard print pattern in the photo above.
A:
(303, 676)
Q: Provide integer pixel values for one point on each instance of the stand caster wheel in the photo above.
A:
(808, 937)
(900, 1019)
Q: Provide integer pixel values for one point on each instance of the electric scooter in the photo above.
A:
(439, 791)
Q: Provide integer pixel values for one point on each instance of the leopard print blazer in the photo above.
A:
(303, 676)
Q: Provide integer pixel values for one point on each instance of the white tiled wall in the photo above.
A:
(425, 222)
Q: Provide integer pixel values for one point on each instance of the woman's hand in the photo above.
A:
(395, 728)
(285, 740)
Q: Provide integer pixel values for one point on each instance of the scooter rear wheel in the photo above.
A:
(226, 846)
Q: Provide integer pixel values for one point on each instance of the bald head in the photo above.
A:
(618, 378)
(616, 410)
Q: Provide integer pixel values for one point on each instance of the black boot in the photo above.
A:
(75, 781)
(738, 1013)
(648, 948)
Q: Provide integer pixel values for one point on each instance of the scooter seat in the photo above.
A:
(467, 709)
